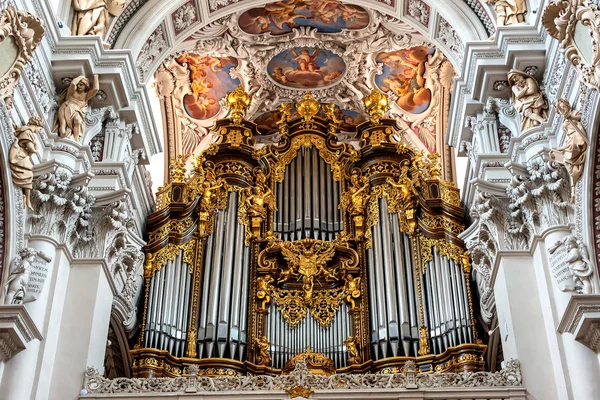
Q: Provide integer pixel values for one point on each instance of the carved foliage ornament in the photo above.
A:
(576, 25)
(20, 33)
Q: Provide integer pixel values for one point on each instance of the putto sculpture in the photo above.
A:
(74, 106)
(527, 99)
(18, 285)
(573, 153)
(21, 164)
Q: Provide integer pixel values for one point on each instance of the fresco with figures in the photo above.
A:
(402, 74)
(210, 83)
(327, 16)
(350, 119)
(306, 68)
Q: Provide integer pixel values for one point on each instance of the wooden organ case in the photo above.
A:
(346, 257)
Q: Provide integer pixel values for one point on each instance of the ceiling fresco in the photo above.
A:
(403, 75)
(351, 52)
(306, 68)
(327, 16)
(210, 82)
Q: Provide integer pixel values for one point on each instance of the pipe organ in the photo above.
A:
(343, 254)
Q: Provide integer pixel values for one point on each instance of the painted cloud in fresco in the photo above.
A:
(326, 15)
(403, 74)
(306, 68)
(210, 83)
(350, 119)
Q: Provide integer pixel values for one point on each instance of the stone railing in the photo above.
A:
(505, 384)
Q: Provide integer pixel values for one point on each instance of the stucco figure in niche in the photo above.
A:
(528, 99)
(21, 164)
(306, 68)
(267, 122)
(18, 285)
(210, 82)
(74, 106)
(91, 17)
(403, 74)
(281, 17)
(509, 12)
(579, 264)
(573, 153)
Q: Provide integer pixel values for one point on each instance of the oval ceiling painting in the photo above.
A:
(265, 122)
(210, 83)
(327, 16)
(306, 68)
(403, 74)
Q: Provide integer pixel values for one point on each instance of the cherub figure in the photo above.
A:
(352, 348)
(263, 289)
(352, 288)
(264, 357)
(17, 283)
(305, 60)
(74, 107)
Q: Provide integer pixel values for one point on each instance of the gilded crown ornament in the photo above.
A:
(238, 102)
(308, 107)
(376, 105)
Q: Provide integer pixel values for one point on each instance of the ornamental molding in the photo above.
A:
(582, 319)
(20, 33)
(16, 330)
(302, 377)
(575, 21)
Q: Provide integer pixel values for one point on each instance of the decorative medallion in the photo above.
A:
(306, 68)
(210, 82)
(403, 75)
(327, 16)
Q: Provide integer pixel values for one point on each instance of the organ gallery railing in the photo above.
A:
(308, 249)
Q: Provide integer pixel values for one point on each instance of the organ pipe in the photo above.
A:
(310, 247)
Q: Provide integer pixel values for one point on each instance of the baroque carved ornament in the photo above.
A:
(576, 25)
(20, 33)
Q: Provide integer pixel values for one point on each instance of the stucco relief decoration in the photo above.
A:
(576, 25)
(20, 33)
(28, 274)
(184, 17)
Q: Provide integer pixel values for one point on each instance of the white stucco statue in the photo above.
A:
(17, 284)
(21, 165)
(91, 17)
(509, 12)
(74, 107)
(527, 99)
(573, 153)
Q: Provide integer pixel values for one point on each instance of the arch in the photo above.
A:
(448, 21)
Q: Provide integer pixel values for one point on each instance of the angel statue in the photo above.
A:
(74, 107)
(528, 99)
(17, 284)
(352, 289)
(352, 347)
(257, 197)
(572, 154)
(579, 264)
(264, 357)
(21, 165)
(356, 199)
